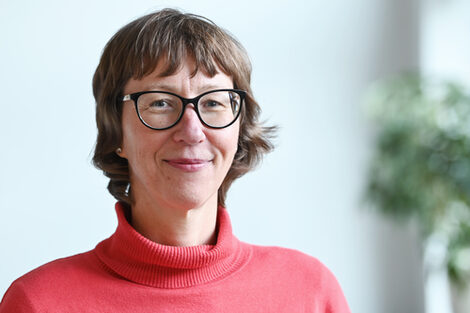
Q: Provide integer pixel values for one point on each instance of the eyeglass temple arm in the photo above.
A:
(126, 97)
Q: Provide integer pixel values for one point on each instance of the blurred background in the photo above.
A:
(328, 73)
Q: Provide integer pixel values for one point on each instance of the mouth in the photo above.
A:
(188, 165)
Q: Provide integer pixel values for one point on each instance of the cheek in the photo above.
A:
(230, 141)
(127, 135)
(130, 140)
(136, 138)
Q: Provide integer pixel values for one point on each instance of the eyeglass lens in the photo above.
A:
(162, 110)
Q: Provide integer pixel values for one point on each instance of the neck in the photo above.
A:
(176, 226)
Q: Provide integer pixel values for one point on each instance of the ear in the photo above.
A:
(120, 153)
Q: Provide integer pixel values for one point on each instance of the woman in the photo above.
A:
(177, 124)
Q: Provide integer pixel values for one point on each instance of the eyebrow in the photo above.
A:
(160, 87)
(170, 88)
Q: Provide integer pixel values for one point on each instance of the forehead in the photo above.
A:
(187, 77)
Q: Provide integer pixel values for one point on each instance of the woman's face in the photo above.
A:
(184, 166)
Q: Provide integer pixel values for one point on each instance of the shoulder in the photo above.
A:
(295, 270)
(72, 267)
(286, 258)
(51, 278)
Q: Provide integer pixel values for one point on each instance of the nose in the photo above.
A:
(189, 129)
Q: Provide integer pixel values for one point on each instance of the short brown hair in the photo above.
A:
(134, 51)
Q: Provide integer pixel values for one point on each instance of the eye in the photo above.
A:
(164, 105)
(213, 105)
(159, 104)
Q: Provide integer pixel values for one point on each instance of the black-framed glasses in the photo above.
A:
(161, 110)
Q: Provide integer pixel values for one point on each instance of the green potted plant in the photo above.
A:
(420, 168)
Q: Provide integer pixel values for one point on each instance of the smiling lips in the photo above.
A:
(188, 165)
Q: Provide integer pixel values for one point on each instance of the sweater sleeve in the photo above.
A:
(334, 300)
(16, 300)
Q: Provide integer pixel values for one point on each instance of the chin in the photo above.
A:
(191, 200)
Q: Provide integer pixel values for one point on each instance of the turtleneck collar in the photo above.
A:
(138, 259)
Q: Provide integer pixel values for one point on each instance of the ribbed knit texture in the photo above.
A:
(138, 259)
(128, 273)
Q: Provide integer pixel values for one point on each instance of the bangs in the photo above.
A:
(168, 42)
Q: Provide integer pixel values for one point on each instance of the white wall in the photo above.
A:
(445, 40)
(316, 58)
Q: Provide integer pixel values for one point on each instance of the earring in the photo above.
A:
(118, 151)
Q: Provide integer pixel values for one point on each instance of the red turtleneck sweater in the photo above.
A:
(129, 273)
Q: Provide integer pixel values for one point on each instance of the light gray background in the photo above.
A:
(316, 58)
